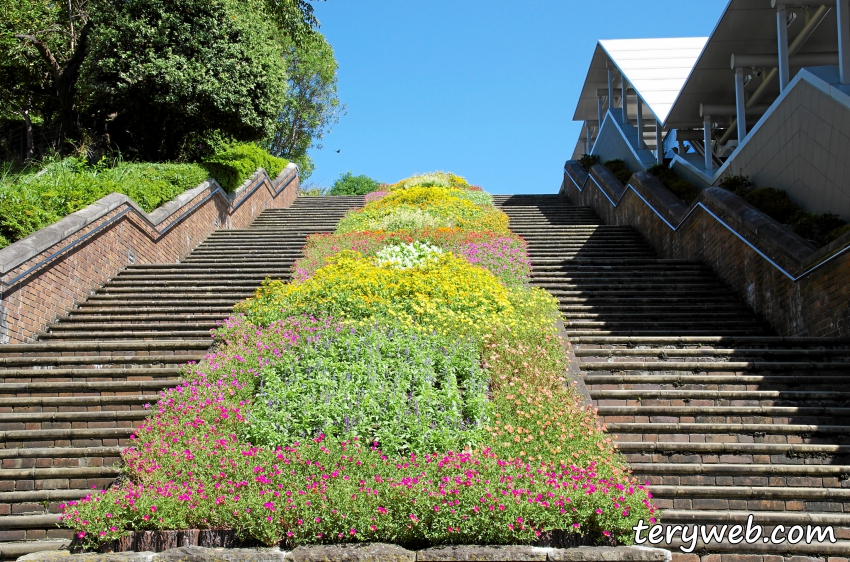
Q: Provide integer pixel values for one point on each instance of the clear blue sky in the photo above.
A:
(482, 88)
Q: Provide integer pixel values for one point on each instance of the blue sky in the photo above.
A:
(483, 88)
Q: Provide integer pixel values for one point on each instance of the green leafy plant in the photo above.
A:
(620, 170)
(412, 393)
(587, 161)
(30, 201)
(236, 163)
(349, 184)
(820, 229)
(774, 203)
(681, 188)
(737, 183)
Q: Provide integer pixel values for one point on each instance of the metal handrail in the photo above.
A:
(102, 226)
(715, 217)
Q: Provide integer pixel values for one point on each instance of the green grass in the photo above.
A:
(40, 195)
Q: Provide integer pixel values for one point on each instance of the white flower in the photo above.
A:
(404, 256)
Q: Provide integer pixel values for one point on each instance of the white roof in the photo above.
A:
(656, 68)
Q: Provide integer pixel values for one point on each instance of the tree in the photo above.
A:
(228, 59)
(161, 71)
(311, 106)
(349, 184)
(43, 44)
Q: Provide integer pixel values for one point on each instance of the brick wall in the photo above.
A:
(43, 275)
(749, 253)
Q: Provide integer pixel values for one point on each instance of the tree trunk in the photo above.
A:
(28, 124)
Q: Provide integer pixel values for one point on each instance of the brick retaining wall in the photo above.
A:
(43, 275)
(798, 289)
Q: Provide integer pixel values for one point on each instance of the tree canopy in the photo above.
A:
(160, 79)
(311, 106)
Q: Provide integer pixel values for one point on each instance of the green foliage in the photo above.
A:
(160, 70)
(349, 184)
(838, 232)
(739, 184)
(819, 229)
(682, 189)
(774, 203)
(29, 201)
(148, 74)
(236, 163)
(411, 393)
(311, 105)
(620, 170)
(587, 161)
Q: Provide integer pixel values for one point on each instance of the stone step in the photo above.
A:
(96, 346)
(76, 326)
(833, 472)
(65, 402)
(129, 312)
(704, 366)
(764, 518)
(769, 427)
(587, 350)
(708, 331)
(798, 451)
(58, 473)
(65, 434)
(749, 411)
(140, 334)
(111, 372)
(718, 382)
(747, 395)
(65, 387)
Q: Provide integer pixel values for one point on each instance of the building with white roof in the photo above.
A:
(766, 95)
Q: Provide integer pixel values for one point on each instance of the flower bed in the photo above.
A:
(397, 391)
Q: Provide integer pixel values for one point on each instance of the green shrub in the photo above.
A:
(682, 189)
(587, 161)
(235, 164)
(838, 233)
(818, 229)
(29, 201)
(739, 184)
(774, 203)
(349, 184)
(410, 392)
(620, 170)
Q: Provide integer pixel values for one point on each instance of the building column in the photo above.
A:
(599, 111)
(659, 148)
(639, 120)
(782, 38)
(587, 137)
(842, 13)
(706, 123)
(740, 105)
(610, 88)
(625, 87)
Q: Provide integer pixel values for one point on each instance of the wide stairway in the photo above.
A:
(69, 402)
(721, 416)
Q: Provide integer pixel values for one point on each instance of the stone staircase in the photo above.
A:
(721, 416)
(69, 402)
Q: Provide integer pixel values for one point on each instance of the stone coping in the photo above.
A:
(790, 251)
(369, 552)
(40, 241)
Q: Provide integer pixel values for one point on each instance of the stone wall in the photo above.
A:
(798, 289)
(43, 275)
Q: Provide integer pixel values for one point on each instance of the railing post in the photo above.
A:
(740, 105)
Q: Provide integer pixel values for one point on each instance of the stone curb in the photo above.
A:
(369, 552)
